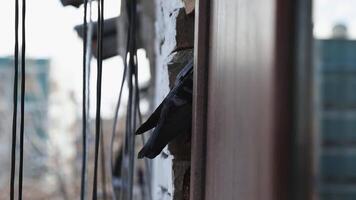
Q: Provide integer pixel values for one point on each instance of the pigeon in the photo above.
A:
(75, 3)
(172, 117)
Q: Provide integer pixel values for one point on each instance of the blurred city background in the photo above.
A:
(335, 67)
(53, 151)
(53, 97)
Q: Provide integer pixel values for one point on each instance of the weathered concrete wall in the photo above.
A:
(166, 13)
(171, 44)
(174, 43)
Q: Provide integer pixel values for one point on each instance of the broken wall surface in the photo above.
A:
(174, 48)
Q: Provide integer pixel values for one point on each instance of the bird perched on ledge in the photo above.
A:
(75, 3)
(172, 117)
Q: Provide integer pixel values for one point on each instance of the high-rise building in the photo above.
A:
(336, 70)
(36, 117)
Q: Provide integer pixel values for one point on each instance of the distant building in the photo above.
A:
(337, 74)
(340, 31)
(36, 118)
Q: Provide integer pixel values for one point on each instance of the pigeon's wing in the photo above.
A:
(151, 121)
(149, 146)
(175, 117)
(174, 121)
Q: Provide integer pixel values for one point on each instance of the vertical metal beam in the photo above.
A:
(304, 136)
(292, 60)
(284, 97)
(201, 55)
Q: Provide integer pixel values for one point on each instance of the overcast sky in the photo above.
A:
(50, 34)
(327, 13)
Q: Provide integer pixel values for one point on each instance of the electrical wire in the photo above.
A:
(84, 109)
(124, 166)
(22, 104)
(133, 105)
(147, 176)
(131, 117)
(133, 112)
(113, 134)
(123, 173)
(89, 56)
(14, 115)
(98, 95)
(103, 164)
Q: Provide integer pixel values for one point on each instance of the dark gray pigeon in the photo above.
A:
(172, 117)
(75, 3)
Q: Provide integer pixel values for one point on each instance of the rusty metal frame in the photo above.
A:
(303, 165)
(201, 63)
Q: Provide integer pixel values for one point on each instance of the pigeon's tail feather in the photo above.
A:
(151, 121)
(144, 127)
(147, 152)
(141, 154)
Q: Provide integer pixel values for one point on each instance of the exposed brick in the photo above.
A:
(186, 185)
(174, 48)
(177, 62)
(189, 6)
(181, 161)
(181, 173)
(185, 30)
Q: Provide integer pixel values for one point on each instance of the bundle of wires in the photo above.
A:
(133, 113)
(98, 94)
(15, 99)
(87, 55)
(128, 165)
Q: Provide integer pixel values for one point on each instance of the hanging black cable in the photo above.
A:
(23, 84)
(84, 108)
(133, 107)
(133, 110)
(114, 132)
(135, 101)
(129, 139)
(129, 146)
(14, 114)
(103, 164)
(147, 175)
(98, 94)
(137, 96)
(125, 168)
